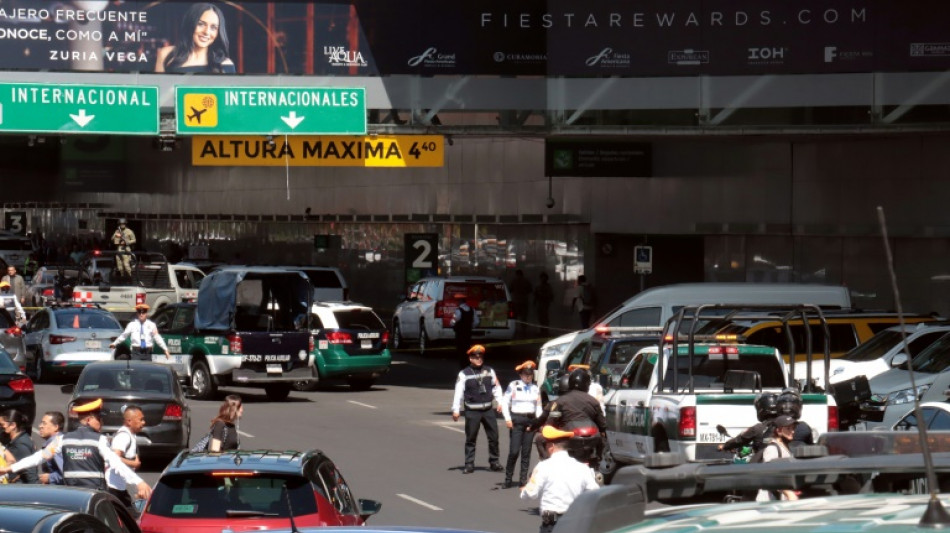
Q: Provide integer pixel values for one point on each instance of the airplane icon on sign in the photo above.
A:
(197, 114)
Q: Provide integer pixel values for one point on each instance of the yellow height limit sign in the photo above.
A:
(317, 151)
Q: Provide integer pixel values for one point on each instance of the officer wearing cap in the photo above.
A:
(557, 480)
(84, 452)
(476, 388)
(10, 302)
(521, 405)
(143, 334)
(123, 239)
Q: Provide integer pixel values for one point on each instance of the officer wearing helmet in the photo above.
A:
(789, 403)
(766, 409)
(123, 239)
(576, 408)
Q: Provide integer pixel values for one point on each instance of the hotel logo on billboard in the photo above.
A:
(519, 58)
(929, 49)
(432, 58)
(340, 56)
(687, 57)
(767, 55)
(608, 58)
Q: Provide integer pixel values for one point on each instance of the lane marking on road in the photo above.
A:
(420, 502)
(361, 404)
(245, 434)
(447, 426)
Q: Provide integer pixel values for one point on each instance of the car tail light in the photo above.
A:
(21, 385)
(49, 293)
(235, 344)
(15, 331)
(439, 309)
(139, 298)
(687, 425)
(310, 344)
(385, 338)
(832, 418)
(173, 411)
(715, 350)
(511, 310)
(339, 337)
(61, 339)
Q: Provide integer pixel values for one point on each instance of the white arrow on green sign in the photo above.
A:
(270, 110)
(49, 108)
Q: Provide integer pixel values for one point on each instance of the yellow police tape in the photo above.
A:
(518, 342)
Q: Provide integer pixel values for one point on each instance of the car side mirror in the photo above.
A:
(68, 389)
(369, 508)
(552, 366)
(899, 360)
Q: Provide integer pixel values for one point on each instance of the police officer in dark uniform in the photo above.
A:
(475, 389)
(84, 452)
(464, 320)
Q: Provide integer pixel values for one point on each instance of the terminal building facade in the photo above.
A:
(741, 141)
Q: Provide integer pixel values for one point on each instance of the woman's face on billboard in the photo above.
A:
(206, 31)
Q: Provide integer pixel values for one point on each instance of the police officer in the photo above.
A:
(576, 408)
(143, 334)
(123, 239)
(84, 453)
(464, 320)
(11, 303)
(476, 387)
(558, 480)
(521, 405)
(766, 409)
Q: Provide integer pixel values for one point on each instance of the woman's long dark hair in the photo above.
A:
(217, 52)
(17, 418)
(228, 412)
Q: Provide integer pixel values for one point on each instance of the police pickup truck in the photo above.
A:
(663, 403)
(249, 328)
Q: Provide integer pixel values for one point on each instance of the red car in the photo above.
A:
(252, 491)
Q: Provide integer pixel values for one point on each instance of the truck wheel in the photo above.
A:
(277, 391)
(38, 369)
(202, 381)
(361, 383)
(306, 386)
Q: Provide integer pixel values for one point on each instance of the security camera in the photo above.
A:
(549, 203)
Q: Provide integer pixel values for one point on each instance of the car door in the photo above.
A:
(340, 496)
(179, 335)
(33, 332)
(628, 409)
(408, 313)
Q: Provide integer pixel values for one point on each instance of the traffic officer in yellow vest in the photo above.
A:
(475, 389)
(123, 239)
(84, 452)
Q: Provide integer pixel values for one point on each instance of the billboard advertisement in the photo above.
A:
(595, 38)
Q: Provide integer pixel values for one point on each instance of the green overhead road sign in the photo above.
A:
(48, 108)
(270, 110)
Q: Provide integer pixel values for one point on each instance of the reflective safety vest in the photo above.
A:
(477, 392)
(83, 465)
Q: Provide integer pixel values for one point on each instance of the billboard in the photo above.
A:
(595, 38)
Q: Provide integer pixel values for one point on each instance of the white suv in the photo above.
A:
(426, 313)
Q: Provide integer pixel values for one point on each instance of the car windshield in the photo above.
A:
(85, 318)
(220, 495)
(7, 366)
(936, 358)
(358, 319)
(875, 347)
(96, 379)
(711, 373)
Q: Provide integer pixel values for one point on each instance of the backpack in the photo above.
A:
(205, 442)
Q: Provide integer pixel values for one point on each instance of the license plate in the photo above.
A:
(93, 345)
(274, 369)
(366, 345)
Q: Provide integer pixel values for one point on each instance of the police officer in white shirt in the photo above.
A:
(558, 480)
(521, 405)
(476, 389)
(9, 301)
(144, 333)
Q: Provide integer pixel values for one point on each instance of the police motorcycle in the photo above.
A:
(588, 444)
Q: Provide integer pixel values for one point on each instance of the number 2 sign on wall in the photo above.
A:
(422, 255)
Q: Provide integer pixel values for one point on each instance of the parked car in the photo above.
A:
(22, 518)
(152, 387)
(426, 312)
(936, 416)
(350, 342)
(878, 354)
(242, 490)
(99, 504)
(61, 340)
(895, 384)
(16, 388)
(327, 282)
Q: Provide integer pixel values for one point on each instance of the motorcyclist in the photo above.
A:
(790, 403)
(766, 409)
(574, 409)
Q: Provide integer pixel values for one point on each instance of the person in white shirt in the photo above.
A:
(125, 446)
(11, 303)
(782, 433)
(143, 334)
(476, 390)
(521, 405)
(557, 480)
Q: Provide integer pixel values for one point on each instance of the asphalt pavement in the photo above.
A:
(395, 443)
